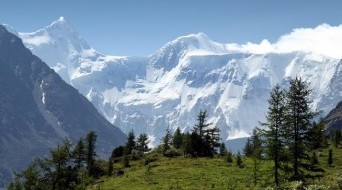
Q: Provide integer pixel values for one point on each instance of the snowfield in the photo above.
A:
(169, 88)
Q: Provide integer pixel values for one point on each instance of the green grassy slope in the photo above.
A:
(205, 173)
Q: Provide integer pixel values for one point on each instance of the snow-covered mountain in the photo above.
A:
(169, 88)
(38, 110)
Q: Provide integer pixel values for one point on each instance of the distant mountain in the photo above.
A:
(38, 110)
(334, 119)
(188, 74)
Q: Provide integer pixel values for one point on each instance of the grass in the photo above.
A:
(205, 173)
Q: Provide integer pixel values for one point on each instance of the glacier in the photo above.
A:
(191, 73)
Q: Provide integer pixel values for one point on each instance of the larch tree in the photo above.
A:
(299, 118)
(274, 132)
(90, 152)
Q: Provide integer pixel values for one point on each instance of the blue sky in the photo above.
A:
(137, 27)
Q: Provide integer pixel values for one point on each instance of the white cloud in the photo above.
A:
(324, 39)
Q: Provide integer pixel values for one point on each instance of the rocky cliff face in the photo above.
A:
(38, 110)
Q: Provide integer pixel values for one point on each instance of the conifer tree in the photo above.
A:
(298, 120)
(275, 132)
(90, 152)
(187, 145)
(316, 135)
(79, 154)
(204, 140)
(239, 161)
(142, 143)
(177, 140)
(256, 154)
(248, 149)
(223, 149)
(130, 144)
(167, 140)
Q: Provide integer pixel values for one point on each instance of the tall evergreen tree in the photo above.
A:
(177, 139)
(142, 142)
(204, 140)
(298, 118)
(79, 153)
(248, 149)
(316, 135)
(239, 161)
(167, 140)
(223, 149)
(187, 145)
(90, 152)
(130, 144)
(275, 133)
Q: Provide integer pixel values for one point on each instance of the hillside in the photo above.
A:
(334, 119)
(205, 173)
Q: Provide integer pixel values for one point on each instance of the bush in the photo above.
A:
(173, 153)
(229, 157)
(136, 154)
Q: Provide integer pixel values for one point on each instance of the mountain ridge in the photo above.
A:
(38, 110)
(232, 82)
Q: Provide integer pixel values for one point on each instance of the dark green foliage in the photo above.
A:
(166, 140)
(110, 167)
(256, 154)
(142, 143)
(177, 140)
(118, 152)
(313, 160)
(79, 154)
(172, 152)
(223, 149)
(187, 146)
(90, 152)
(130, 144)
(229, 157)
(248, 149)
(204, 140)
(275, 133)
(239, 161)
(15, 185)
(57, 172)
(298, 122)
(125, 161)
(337, 137)
(330, 158)
(316, 136)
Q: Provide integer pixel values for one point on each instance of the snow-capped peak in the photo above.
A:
(194, 44)
(60, 24)
(59, 45)
(10, 29)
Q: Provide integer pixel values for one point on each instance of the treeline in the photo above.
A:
(68, 166)
(290, 137)
(202, 141)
